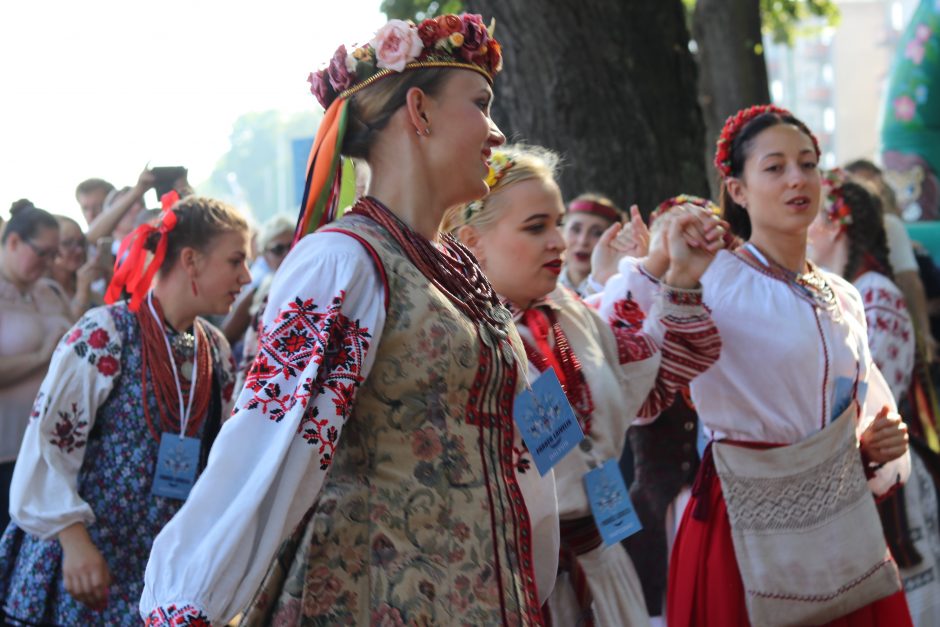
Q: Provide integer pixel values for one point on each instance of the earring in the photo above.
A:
(192, 284)
(427, 131)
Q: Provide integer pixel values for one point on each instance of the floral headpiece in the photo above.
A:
(733, 126)
(837, 209)
(684, 199)
(499, 164)
(448, 41)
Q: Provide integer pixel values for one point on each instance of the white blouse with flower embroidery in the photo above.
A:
(271, 458)
(786, 369)
(890, 330)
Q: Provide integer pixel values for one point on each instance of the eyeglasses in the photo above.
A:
(77, 243)
(279, 250)
(43, 253)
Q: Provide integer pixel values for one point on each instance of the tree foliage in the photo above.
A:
(257, 172)
(781, 18)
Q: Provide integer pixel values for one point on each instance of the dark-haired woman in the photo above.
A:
(32, 319)
(135, 382)
(848, 237)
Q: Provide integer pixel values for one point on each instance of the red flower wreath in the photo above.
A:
(733, 126)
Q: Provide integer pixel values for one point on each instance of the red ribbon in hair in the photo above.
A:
(589, 206)
(132, 272)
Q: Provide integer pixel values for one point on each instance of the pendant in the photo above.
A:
(187, 370)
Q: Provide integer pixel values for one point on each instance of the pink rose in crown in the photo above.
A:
(429, 31)
(396, 44)
(320, 87)
(904, 108)
(339, 75)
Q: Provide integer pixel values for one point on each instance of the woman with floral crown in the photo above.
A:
(782, 527)
(610, 374)
(129, 384)
(376, 422)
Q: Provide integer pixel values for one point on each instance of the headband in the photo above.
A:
(449, 41)
(734, 125)
(594, 208)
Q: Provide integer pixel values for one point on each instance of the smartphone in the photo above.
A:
(165, 177)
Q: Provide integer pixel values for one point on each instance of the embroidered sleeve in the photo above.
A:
(631, 283)
(325, 314)
(690, 345)
(890, 336)
(44, 495)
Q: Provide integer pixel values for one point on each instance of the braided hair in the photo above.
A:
(868, 243)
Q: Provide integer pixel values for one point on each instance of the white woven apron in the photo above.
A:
(806, 534)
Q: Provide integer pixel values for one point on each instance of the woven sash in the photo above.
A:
(806, 533)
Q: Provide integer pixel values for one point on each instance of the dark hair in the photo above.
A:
(732, 212)
(863, 166)
(372, 108)
(91, 185)
(866, 233)
(26, 220)
(198, 220)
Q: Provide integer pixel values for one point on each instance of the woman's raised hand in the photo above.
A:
(692, 237)
(630, 239)
(885, 439)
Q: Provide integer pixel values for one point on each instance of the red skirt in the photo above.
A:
(705, 586)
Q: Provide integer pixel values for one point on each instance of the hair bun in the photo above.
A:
(21, 205)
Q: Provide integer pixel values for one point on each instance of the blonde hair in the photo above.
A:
(509, 164)
(278, 224)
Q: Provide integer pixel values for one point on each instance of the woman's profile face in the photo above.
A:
(221, 272)
(461, 136)
(520, 252)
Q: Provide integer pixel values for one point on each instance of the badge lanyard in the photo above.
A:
(184, 415)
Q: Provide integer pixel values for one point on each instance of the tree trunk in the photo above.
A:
(732, 70)
(609, 84)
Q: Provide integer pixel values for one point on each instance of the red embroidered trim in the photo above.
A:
(822, 598)
(173, 616)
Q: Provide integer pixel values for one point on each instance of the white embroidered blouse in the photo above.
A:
(786, 368)
(267, 465)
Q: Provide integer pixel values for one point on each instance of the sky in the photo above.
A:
(101, 88)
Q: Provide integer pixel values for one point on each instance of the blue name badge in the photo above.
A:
(177, 463)
(546, 421)
(842, 395)
(610, 503)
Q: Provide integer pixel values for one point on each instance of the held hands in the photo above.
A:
(690, 239)
(630, 239)
(885, 439)
(84, 570)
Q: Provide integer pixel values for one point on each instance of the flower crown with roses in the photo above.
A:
(837, 209)
(447, 41)
(733, 126)
(684, 199)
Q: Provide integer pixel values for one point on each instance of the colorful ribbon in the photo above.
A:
(324, 174)
(132, 273)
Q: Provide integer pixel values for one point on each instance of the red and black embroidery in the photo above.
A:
(172, 616)
(69, 433)
(94, 344)
(302, 334)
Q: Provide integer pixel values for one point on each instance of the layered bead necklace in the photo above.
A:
(810, 286)
(455, 273)
(159, 366)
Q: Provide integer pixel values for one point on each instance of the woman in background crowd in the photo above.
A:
(32, 319)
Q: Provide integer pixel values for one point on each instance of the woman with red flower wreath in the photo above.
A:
(375, 430)
(129, 379)
(781, 527)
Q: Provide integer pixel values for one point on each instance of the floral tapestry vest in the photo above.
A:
(420, 520)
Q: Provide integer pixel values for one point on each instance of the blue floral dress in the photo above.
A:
(89, 456)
